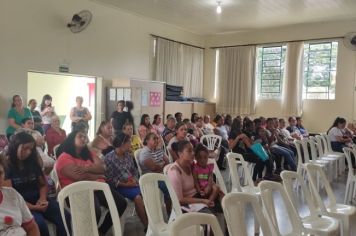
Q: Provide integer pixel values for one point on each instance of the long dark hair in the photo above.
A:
(228, 120)
(32, 162)
(142, 122)
(68, 146)
(192, 118)
(337, 121)
(236, 126)
(120, 139)
(155, 118)
(45, 97)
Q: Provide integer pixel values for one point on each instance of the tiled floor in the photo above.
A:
(134, 227)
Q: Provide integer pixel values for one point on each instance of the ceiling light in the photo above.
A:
(218, 8)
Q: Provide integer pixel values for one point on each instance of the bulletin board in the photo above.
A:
(151, 98)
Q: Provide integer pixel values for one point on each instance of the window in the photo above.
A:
(269, 73)
(320, 60)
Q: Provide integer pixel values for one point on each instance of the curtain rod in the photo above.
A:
(290, 41)
(156, 36)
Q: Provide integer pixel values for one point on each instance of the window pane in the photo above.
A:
(269, 73)
(320, 61)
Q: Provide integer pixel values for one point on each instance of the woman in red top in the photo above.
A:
(54, 135)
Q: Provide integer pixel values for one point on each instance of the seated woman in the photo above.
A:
(15, 217)
(54, 135)
(241, 143)
(169, 131)
(338, 136)
(77, 163)
(25, 175)
(180, 135)
(181, 177)
(221, 130)
(303, 131)
(157, 124)
(136, 143)
(145, 126)
(152, 158)
(122, 174)
(102, 143)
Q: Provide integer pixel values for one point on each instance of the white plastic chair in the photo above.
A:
(194, 219)
(351, 176)
(81, 201)
(268, 188)
(153, 203)
(340, 211)
(301, 165)
(55, 148)
(334, 160)
(331, 162)
(234, 206)
(137, 156)
(219, 179)
(314, 223)
(328, 151)
(234, 160)
(212, 142)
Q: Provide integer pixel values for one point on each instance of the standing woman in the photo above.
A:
(15, 115)
(122, 174)
(145, 126)
(46, 111)
(37, 119)
(25, 175)
(79, 115)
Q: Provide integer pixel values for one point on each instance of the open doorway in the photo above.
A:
(64, 89)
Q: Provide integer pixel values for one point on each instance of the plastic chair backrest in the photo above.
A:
(234, 176)
(241, 161)
(137, 156)
(177, 228)
(267, 190)
(348, 152)
(328, 143)
(288, 178)
(312, 145)
(219, 179)
(212, 141)
(299, 147)
(316, 172)
(319, 144)
(305, 143)
(55, 148)
(152, 199)
(81, 202)
(55, 178)
(234, 207)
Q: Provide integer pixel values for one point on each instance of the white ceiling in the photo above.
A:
(199, 16)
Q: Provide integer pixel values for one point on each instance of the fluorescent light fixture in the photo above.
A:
(218, 8)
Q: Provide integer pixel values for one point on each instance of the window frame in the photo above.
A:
(330, 71)
(259, 71)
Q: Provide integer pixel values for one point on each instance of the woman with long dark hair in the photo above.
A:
(157, 124)
(337, 135)
(24, 174)
(145, 126)
(78, 163)
(102, 143)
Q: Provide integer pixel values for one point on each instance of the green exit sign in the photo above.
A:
(63, 68)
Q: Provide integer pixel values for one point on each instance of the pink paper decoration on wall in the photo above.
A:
(155, 99)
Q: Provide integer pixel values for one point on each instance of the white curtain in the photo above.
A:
(293, 80)
(179, 64)
(236, 80)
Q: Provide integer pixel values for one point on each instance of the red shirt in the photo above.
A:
(54, 138)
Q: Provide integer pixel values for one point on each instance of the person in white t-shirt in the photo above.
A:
(338, 136)
(15, 217)
(208, 128)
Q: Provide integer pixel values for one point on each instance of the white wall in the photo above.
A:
(317, 114)
(34, 37)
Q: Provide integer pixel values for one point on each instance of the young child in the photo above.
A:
(15, 217)
(203, 176)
